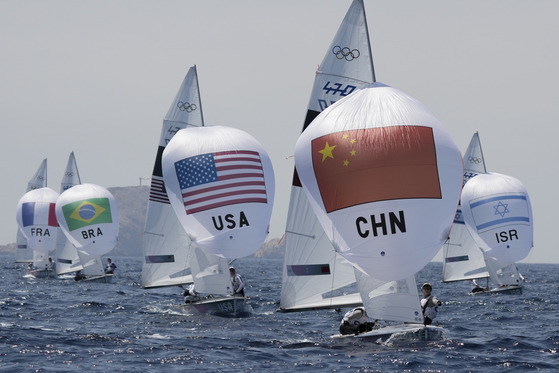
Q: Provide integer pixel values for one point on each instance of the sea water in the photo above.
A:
(54, 325)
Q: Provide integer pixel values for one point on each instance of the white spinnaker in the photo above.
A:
(498, 214)
(36, 219)
(390, 300)
(166, 246)
(23, 253)
(88, 216)
(314, 275)
(67, 258)
(220, 182)
(462, 257)
(373, 206)
(210, 273)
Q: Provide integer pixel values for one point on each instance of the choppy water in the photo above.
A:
(60, 325)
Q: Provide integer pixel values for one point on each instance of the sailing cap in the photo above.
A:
(427, 286)
(231, 268)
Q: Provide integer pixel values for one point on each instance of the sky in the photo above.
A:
(97, 77)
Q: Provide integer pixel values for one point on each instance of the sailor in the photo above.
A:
(51, 265)
(190, 294)
(237, 282)
(356, 321)
(79, 276)
(110, 269)
(477, 288)
(429, 304)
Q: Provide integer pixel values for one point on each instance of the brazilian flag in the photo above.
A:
(87, 212)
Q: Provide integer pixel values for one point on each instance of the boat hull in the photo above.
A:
(98, 279)
(505, 289)
(222, 306)
(405, 332)
(43, 273)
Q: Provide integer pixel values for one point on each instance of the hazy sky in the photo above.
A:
(96, 77)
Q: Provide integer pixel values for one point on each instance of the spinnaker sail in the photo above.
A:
(373, 165)
(88, 216)
(220, 182)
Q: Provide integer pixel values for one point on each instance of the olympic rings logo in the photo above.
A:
(345, 52)
(475, 160)
(185, 106)
(69, 174)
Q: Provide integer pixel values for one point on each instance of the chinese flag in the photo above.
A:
(375, 164)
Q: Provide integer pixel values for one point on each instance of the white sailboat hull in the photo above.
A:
(406, 332)
(221, 306)
(98, 279)
(42, 273)
(503, 289)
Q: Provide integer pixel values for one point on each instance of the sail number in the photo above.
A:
(334, 88)
(337, 88)
(226, 307)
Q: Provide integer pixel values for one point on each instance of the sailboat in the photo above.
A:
(166, 246)
(498, 215)
(314, 275)
(462, 257)
(23, 253)
(211, 278)
(37, 222)
(68, 258)
(220, 183)
(355, 162)
(88, 216)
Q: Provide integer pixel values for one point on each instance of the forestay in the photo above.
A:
(37, 220)
(166, 244)
(220, 183)
(88, 216)
(314, 275)
(462, 257)
(384, 178)
(39, 180)
(498, 214)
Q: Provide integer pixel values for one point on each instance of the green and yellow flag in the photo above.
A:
(87, 212)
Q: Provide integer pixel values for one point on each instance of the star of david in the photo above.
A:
(501, 209)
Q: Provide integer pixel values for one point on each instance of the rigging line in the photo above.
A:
(302, 234)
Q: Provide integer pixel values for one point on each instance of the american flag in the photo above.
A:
(219, 179)
(157, 192)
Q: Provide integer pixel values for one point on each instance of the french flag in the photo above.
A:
(38, 213)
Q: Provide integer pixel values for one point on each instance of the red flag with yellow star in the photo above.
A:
(375, 164)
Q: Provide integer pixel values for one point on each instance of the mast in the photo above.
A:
(199, 95)
(369, 43)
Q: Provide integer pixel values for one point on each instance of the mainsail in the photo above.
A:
(23, 253)
(462, 257)
(314, 275)
(67, 258)
(166, 244)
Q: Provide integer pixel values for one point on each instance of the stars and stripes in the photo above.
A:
(157, 192)
(219, 179)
